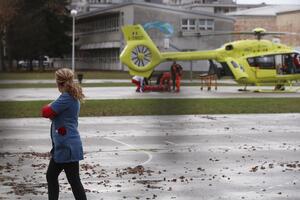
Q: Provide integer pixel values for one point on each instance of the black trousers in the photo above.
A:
(72, 173)
(173, 81)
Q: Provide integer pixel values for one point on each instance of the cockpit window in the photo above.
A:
(262, 62)
(235, 65)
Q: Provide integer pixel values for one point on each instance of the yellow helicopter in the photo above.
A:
(252, 62)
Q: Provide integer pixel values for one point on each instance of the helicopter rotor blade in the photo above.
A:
(286, 33)
(246, 33)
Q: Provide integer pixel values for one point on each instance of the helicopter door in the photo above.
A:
(237, 70)
(265, 73)
(279, 64)
(265, 67)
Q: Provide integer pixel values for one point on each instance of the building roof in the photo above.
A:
(289, 11)
(150, 5)
(270, 10)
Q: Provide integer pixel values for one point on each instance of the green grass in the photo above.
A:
(160, 107)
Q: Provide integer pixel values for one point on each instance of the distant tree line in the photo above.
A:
(31, 29)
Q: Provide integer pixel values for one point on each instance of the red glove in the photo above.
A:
(62, 131)
(47, 112)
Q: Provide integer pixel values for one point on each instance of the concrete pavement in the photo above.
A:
(28, 94)
(190, 157)
(227, 81)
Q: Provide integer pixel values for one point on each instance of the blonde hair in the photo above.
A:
(65, 78)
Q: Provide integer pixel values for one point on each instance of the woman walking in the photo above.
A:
(66, 143)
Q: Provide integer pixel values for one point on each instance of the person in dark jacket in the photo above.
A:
(66, 142)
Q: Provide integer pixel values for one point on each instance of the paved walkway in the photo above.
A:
(227, 81)
(27, 94)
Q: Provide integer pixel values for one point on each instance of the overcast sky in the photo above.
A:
(269, 1)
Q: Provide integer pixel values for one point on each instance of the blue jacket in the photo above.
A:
(67, 146)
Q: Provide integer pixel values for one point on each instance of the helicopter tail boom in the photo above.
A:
(190, 55)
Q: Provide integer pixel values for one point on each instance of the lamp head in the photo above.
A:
(74, 12)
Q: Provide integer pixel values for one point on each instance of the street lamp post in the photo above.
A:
(73, 14)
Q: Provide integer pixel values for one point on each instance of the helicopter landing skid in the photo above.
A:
(276, 91)
(244, 90)
(288, 90)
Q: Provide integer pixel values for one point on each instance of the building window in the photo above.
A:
(102, 58)
(198, 2)
(210, 24)
(108, 23)
(184, 24)
(206, 24)
(176, 2)
(188, 24)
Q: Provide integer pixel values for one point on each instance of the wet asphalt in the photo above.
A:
(29, 94)
(161, 157)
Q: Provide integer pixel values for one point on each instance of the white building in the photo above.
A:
(100, 40)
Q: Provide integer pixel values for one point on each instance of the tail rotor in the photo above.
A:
(141, 55)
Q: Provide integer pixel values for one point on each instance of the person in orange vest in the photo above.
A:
(173, 73)
(176, 72)
(165, 81)
(178, 78)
